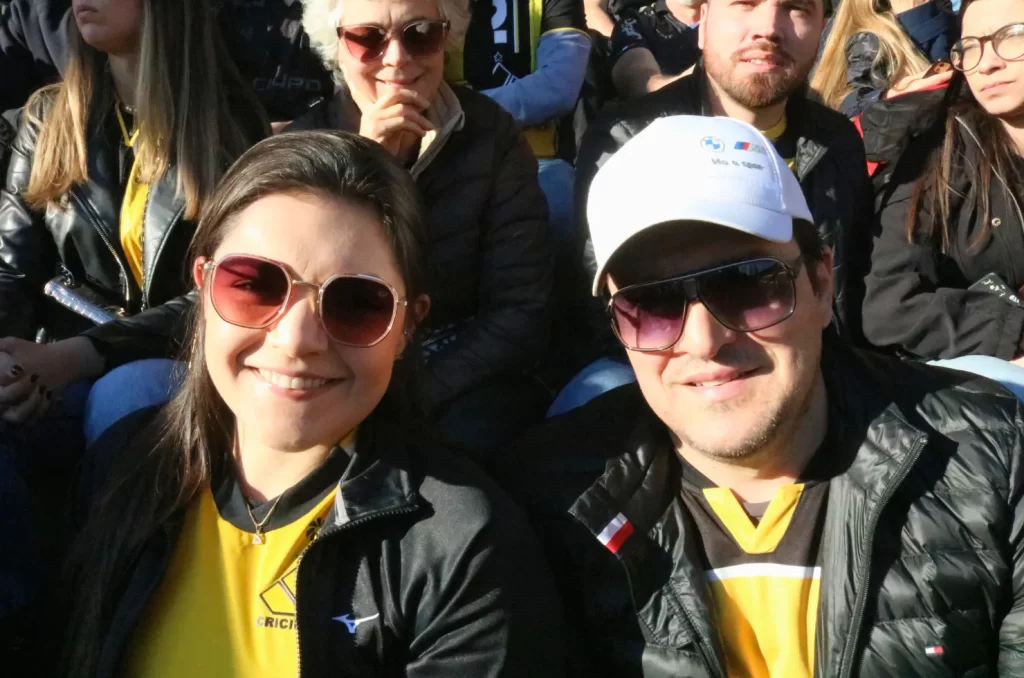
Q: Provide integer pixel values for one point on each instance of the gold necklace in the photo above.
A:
(258, 537)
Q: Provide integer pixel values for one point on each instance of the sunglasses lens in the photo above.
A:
(357, 311)
(649, 317)
(365, 43)
(750, 296)
(423, 38)
(247, 291)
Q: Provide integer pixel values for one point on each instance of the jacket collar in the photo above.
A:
(642, 485)
(445, 113)
(379, 478)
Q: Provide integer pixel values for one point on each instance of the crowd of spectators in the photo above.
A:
(138, 137)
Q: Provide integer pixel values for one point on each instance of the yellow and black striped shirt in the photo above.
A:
(762, 564)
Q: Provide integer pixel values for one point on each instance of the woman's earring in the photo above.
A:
(408, 340)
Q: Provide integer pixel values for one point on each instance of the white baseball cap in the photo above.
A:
(692, 168)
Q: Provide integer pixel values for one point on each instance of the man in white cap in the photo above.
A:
(766, 501)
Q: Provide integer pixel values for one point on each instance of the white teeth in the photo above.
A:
(707, 384)
(291, 383)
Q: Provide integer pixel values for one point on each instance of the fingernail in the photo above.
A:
(34, 379)
(17, 371)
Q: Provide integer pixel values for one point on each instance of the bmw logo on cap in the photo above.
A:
(712, 144)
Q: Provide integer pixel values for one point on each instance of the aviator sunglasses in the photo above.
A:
(253, 292)
(746, 296)
(420, 39)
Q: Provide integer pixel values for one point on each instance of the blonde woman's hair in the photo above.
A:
(190, 104)
(320, 21)
(897, 51)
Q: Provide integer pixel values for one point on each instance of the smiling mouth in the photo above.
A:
(713, 383)
(290, 383)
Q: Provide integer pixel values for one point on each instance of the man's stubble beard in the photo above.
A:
(759, 90)
(780, 423)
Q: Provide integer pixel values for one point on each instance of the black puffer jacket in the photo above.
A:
(418, 536)
(917, 298)
(830, 165)
(923, 542)
(488, 252)
(80, 238)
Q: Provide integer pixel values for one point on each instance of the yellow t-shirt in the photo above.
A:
(785, 146)
(226, 607)
(764, 578)
(133, 216)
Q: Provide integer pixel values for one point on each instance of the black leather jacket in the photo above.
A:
(830, 165)
(80, 238)
(923, 539)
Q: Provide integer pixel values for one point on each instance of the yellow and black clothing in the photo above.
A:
(422, 568)
(136, 195)
(784, 140)
(227, 604)
(763, 567)
(501, 47)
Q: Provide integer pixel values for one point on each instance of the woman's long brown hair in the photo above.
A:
(967, 130)
(190, 107)
(162, 469)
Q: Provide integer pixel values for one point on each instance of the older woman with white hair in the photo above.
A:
(489, 258)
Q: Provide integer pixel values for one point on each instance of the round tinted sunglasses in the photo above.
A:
(421, 38)
(253, 292)
(746, 296)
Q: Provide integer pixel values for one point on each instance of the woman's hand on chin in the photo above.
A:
(396, 121)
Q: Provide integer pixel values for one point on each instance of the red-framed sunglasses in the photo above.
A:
(420, 38)
(252, 292)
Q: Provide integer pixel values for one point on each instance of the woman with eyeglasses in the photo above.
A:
(286, 514)
(948, 262)
(489, 262)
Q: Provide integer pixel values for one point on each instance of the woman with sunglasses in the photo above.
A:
(286, 513)
(948, 263)
(107, 174)
(489, 261)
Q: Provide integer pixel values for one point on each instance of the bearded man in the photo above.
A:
(757, 55)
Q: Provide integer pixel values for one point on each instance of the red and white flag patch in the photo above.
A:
(615, 533)
(935, 650)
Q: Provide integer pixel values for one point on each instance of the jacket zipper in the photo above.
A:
(125, 285)
(320, 538)
(853, 637)
(703, 642)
